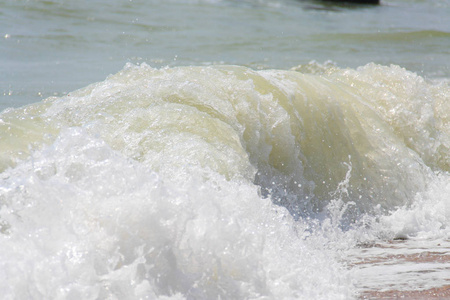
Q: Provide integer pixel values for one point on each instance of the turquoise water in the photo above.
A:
(223, 149)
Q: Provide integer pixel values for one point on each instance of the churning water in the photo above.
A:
(220, 161)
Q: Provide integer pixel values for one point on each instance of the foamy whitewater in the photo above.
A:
(223, 182)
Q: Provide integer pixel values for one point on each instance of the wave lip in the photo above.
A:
(294, 134)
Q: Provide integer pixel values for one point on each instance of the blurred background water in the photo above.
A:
(53, 47)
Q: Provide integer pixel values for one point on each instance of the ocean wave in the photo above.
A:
(293, 134)
(219, 181)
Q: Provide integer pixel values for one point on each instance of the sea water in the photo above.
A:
(219, 160)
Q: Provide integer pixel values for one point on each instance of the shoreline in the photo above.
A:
(433, 293)
(389, 262)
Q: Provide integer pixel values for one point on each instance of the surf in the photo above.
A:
(293, 134)
(219, 181)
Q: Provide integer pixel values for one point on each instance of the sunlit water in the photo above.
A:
(240, 150)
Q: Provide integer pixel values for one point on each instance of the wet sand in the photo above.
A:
(402, 269)
(435, 293)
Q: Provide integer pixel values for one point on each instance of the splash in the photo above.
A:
(220, 181)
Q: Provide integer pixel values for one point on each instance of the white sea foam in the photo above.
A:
(84, 221)
(208, 182)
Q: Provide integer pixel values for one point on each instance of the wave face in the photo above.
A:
(221, 181)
